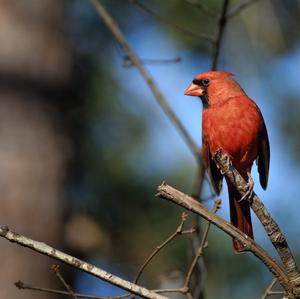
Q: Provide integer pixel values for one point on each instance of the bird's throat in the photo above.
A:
(204, 99)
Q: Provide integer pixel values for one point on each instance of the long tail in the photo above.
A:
(240, 216)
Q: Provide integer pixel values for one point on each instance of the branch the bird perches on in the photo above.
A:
(271, 227)
(288, 277)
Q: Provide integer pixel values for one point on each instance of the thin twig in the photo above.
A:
(22, 286)
(198, 292)
(115, 30)
(268, 291)
(169, 193)
(54, 253)
(202, 246)
(239, 7)
(160, 19)
(198, 185)
(55, 268)
(145, 61)
(175, 290)
(271, 227)
(178, 231)
(128, 63)
(197, 194)
(189, 295)
(188, 231)
(277, 293)
(217, 42)
(207, 11)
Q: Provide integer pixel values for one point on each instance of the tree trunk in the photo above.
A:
(34, 149)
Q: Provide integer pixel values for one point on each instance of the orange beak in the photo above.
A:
(194, 90)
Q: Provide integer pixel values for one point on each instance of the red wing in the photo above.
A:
(263, 159)
(214, 173)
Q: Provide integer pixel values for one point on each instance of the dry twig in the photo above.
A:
(55, 268)
(179, 231)
(269, 291)
(127, 63)
(23, 286)
(77, 263)
(203, 245)
(198, 292)
(271, 227)
(169, 193)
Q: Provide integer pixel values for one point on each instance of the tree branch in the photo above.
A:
(23, 286)
(269, 291)
(179, 231)
(77, 263)
(55, 268)
(217, 43)
(120, 38)
(202, 246)
(169, 193)
(271, 227)
(127, 63)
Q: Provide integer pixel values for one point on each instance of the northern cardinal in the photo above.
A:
(232, 122)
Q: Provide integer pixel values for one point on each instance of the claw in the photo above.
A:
(248, 188)
(228, 161)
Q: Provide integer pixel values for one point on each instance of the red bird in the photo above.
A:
(232, 122)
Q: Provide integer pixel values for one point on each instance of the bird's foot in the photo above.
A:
(248, 188)
(228, 162)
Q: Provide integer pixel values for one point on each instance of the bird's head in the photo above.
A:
(213, 87)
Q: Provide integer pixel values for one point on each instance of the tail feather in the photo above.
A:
(240, 216)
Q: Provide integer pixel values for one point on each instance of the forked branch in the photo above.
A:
(269, 291)
(169, 193)
(271, 227)
(179, 231)
(77, 263)
(24, 286)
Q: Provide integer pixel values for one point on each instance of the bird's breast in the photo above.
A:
(234, 127)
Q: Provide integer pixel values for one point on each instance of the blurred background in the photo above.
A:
(84, 145)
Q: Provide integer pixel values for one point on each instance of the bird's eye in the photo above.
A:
(197, 82)
(205, 82)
